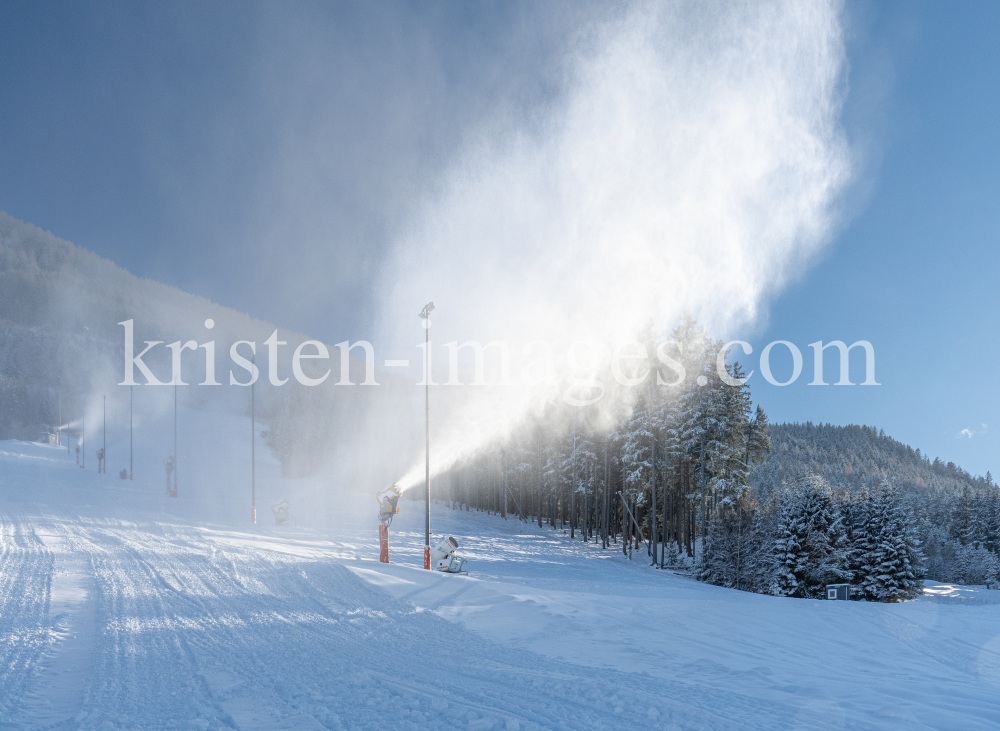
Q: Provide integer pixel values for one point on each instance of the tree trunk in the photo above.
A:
(663, 537)
(503, 482)
(572, 494)
(652, 507)
(538, 480)
(605, 527)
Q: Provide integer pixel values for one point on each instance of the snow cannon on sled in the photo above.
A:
(387, 510)
(444, 558)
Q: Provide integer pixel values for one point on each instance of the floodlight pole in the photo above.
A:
(253, 442)
(104, 447)
(425, 315)
(175, 439)
(130, 400)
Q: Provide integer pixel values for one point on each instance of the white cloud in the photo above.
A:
(965, 433)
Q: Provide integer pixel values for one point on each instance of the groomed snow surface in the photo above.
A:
(121, 609)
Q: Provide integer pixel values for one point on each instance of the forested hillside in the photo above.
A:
(947, 520)
(853, 457)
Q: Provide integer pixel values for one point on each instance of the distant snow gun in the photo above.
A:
(444, 558)
(168, 466)
(280, 511)
(387, 510)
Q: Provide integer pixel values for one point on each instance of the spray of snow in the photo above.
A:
(693, 162)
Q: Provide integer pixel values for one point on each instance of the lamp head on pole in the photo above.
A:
(426, 312)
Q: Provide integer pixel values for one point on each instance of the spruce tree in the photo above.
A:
(811, 549)
(789, 556)
(890, 556)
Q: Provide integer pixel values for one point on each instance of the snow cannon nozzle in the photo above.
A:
(387, 503)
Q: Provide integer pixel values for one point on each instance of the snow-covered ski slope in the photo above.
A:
(120, 609)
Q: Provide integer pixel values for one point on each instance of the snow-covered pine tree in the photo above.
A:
(789, 556)
(699, 408)
(636, 441)
(735, 552)
(974, 564)
(811, 548)
(890, 557)
(939, 552)
(991, 519)
(758, 442)
(854, 515)
(586, 465)
(668, 457)
(727, 445)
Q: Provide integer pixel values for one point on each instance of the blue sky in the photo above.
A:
(172, 138)
(916, 270)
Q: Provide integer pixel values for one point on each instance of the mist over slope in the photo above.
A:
(62, 350)
(60, 306)
(694, 160)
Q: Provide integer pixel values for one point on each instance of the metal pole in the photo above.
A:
(425, 315)
(104, 446)
(427, 444)
(83, 441)
(175, 440)
(130, 432)
(253, 444)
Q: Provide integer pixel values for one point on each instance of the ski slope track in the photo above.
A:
(120, 609)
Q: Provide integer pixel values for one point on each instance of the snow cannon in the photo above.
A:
(387, 509)
(445, 559)
(281, 511)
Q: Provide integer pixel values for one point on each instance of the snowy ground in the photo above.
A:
(120, 609)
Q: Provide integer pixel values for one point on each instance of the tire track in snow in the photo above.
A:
(25, 580)
(144, 674)
(204, 635)
(59, 688)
